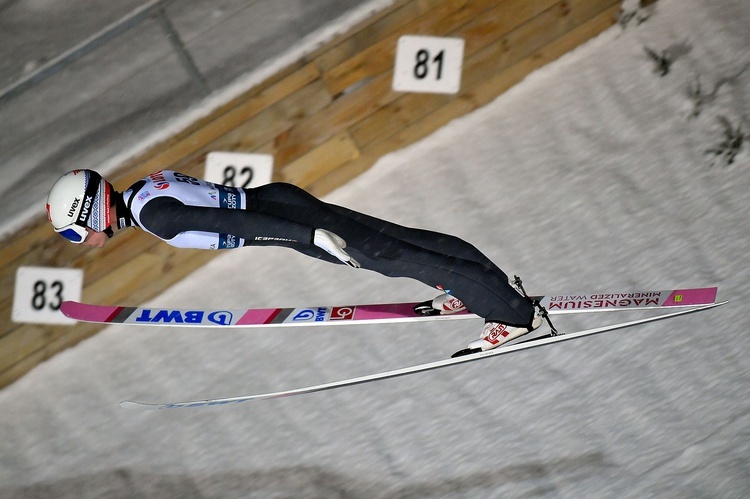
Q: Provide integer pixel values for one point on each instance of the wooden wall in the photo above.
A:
(326, 118)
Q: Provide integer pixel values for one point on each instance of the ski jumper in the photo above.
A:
(190, 213)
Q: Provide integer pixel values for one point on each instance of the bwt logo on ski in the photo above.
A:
(218, 317)
(309, 314)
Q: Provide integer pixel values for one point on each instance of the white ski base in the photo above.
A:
(537, 342)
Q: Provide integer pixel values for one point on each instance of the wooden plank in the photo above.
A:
(497, 22)
(26, 340)
(198, 139)
(376, 94)
(401, 14)
(274, 120)
(526, 37)
(392, 118)
(36, 344)
(588, 9)
(379, 57)
(163, 266)
(488, 89)
(483, 93)
(15, 246)
(146, 275)
(357, 104)
(22, 367)
(327, 157)
(342, 113)
(125, 246)
(56, 252)
(265, 87)
(412, 107)
(51, 252)
(124, 280)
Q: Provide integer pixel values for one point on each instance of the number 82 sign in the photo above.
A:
(237, 169)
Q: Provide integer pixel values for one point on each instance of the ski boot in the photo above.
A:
(495, 334)
(444, 304)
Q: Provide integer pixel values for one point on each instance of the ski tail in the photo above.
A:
(637, 300)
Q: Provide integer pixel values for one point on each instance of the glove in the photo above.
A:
(333, 245)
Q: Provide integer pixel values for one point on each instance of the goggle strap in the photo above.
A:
(91, 190)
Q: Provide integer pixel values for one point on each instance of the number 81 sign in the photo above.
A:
(428, 64)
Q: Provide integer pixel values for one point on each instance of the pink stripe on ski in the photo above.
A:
(687, 297)
(387, 311)
(258, 316)
(369, 312)
(98, 313)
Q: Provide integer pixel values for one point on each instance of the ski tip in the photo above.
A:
(137, 406)
(66, 307)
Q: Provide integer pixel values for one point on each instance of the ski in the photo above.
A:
(370, 314)
(532, 343)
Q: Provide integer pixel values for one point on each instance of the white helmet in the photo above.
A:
(79, 199)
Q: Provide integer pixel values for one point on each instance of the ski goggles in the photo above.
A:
(73, 233)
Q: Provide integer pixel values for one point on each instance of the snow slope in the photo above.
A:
(589, 175)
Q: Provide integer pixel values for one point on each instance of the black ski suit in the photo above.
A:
(282, 214)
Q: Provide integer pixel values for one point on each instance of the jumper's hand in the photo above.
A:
(334, 245)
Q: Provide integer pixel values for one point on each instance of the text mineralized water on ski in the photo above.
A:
(611, 300)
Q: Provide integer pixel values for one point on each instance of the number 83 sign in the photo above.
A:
(40, 291)
(428, 64)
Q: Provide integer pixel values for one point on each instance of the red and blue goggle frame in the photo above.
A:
(74, 233)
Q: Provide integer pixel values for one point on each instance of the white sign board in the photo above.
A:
(238, 169)
(40, 291)
(428, 64)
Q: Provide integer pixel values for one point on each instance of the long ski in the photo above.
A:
(370, 314)
(536, 342)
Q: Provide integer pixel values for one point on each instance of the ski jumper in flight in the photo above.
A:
(187, 212)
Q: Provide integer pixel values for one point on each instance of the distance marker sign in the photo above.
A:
(40, 291)
(428, 64)
(237, 169)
